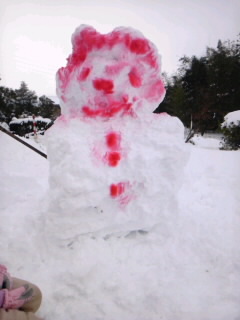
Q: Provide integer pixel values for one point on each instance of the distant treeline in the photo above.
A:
(23, 102)
(205, 89)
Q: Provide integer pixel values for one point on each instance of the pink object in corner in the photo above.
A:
(15, 299)
(5, 278)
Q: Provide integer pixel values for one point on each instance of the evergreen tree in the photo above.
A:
(7, 103)
(224, 76)
(26, 100)
(206, 88)
(46, 107)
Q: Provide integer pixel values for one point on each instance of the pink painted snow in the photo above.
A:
(110, 74)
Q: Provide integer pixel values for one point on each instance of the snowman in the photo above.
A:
(115, 170)
(111, 158)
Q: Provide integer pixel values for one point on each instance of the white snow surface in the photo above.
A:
(186, 268)
(232, 118)
(4, 125)
(30, 119)
(210, 143)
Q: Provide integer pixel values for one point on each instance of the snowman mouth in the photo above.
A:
(108, 111)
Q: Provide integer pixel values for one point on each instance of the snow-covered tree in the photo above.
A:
(46, 107)
(7, 103)
(26, 100)
(231, 131)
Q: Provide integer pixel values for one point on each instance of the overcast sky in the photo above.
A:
(35, 35)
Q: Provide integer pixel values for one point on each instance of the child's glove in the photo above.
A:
(5, 278)
(16, 298)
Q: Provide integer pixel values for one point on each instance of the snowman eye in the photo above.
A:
(103, 85)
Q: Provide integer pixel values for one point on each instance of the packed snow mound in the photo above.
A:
(232, 118)
(115, 170)
(121, 186)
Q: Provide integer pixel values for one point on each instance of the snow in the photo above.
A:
(98, 166)
(194, 263)
(37, 141)
(232, 118)
(29, 119)
(124, 220)
(210, 143)
(54, 99)
(4, 125)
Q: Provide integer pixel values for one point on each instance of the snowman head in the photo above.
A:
(110, 75)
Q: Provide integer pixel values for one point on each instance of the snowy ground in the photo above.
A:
(207, 235)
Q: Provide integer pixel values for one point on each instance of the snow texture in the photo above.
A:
(135, 224)
(29, 119)
(232, 118)
(194, 263)
(4, 125)
(210, 143)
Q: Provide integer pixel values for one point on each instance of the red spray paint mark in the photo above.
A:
(113, 158)
(139, 46)
(121, 192)
(113, 140)
(84, 74)
(117, 189)
(104, 85)
(114, 38)
(109, 111)
(91, 38)
(135, 78)
(88, 40)
(77, 58)
(151, 59)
